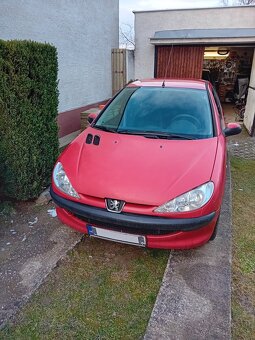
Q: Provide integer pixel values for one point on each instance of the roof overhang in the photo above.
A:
(194, 9)
(228, 36)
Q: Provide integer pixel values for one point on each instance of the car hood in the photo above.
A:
(137, 169)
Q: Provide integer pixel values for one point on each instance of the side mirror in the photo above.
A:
(91, 117)
(101, 106)
(232, 129)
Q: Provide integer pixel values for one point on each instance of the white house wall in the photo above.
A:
(147, 23)
(84, 33)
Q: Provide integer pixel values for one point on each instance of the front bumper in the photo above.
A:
(161, 232)
(135, 222)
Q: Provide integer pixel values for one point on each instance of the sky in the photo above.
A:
(127, 6)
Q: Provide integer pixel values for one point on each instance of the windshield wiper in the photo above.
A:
(169, 136)
(104, 128)
(157, 135)
(177, 136)
(139, 133)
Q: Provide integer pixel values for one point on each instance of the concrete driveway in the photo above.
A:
(194, 301)
(31, 244)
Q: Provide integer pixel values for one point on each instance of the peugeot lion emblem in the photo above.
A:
(113, 205)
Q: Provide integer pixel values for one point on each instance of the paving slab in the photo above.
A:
(194, 301)
(242, 148)
(31, 244)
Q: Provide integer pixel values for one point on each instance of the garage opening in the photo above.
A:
(228, 68)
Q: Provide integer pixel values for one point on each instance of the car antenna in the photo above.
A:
(169, 57)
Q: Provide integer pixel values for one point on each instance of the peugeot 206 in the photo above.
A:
(150, 169)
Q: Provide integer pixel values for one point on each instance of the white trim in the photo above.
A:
(191, 9)
(203, 41)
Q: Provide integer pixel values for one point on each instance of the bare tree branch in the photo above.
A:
(225, 3)
(245, 2)
(127, 36)
(237, 2)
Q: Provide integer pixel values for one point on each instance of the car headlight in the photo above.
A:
(62, 181)
(189, 201)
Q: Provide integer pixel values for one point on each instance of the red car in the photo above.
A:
(150, 169)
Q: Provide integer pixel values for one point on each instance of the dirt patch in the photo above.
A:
(102, 289)
(31, 243)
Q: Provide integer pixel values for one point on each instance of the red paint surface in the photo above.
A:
(191, 83)
(178, 240)
(147, 173)
(182, 239)
(138, 170)
(71, 220)
(233, 125)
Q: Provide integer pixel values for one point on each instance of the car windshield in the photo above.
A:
(159, 112)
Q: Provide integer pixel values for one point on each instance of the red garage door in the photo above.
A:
(179, 61)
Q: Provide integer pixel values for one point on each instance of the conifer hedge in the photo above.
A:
(28, 111)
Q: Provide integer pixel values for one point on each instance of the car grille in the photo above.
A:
(129, 230)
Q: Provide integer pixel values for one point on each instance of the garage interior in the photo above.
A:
(228, 68)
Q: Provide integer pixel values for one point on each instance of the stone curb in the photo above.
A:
(44, 197)
(194, 301)
(33, 278)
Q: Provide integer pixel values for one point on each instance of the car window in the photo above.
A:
(113, 113)
(217, 101)
(157, 109)
(219, 107)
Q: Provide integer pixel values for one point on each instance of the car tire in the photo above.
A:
(214, 234)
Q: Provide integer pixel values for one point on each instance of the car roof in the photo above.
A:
(182, 83)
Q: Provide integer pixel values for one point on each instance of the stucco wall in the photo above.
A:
(147, 23)
(130, 65)
(84, 33)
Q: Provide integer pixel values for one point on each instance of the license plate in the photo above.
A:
(116, 236)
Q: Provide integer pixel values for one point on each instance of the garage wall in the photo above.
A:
(84, 33)
(147, 23)
(179, 61)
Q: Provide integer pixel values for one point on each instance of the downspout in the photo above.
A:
(253, 124)
(253, 127)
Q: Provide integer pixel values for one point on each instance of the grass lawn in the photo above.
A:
(102, 290)
(243, 293)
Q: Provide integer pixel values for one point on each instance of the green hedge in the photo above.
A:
(28, 111)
